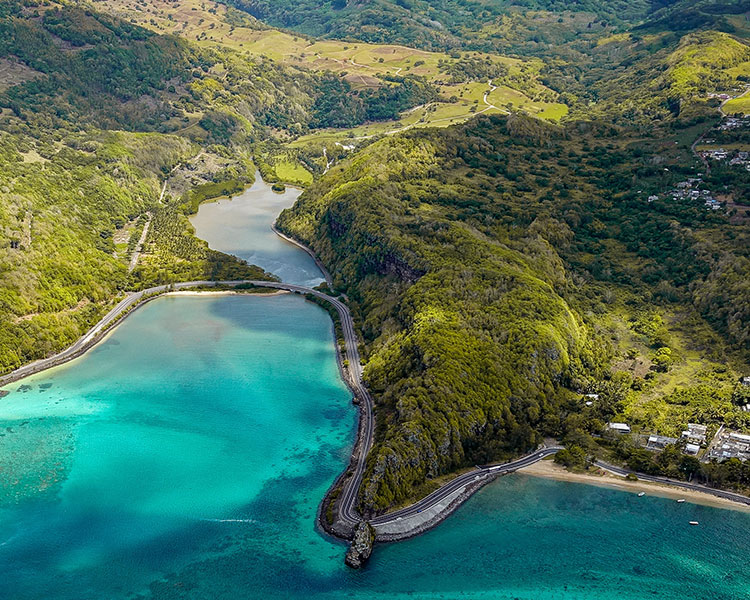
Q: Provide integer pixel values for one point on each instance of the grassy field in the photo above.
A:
(695, 388)
(436, 114)
(207, 24)
(738, 105)
(733, 146)
(289, 171)
(362, 65)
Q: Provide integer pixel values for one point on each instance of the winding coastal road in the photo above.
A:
(352, 368)
(462, 481)
(439, 498)
(347, 514)
(347, 503)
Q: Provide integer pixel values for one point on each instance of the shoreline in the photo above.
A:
(224, 293)
(340, 498)
(300, 245)
(340, 528)
(341, 495)
(98, 333)
(547, 469)
(103, 328)
(348, 363)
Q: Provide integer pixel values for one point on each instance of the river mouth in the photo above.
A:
(241, 226)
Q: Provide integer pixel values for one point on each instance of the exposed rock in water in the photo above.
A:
(361, 548)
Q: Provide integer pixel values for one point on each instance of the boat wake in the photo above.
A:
(230, 520)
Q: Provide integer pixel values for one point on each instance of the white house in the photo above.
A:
(692, 449)
(619, 427)
(695, 433)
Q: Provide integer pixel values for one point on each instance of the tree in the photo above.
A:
(575, 456)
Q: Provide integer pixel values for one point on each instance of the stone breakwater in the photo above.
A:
(414, 525)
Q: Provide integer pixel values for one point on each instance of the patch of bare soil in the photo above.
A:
(15, 72)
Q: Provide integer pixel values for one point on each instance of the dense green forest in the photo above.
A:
(437, 24)
(496, 269)
(480, 24)
(609, 58)
(484, 262)
(96, 70)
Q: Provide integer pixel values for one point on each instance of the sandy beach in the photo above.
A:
(550, 470)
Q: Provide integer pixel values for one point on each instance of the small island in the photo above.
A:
(278, 187)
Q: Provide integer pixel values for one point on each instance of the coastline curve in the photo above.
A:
(398, 525)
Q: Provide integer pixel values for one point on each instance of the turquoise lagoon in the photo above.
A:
(186, 455)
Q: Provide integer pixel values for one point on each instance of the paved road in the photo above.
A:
(348, 500)
(347, 504)
(83, 343)
(348, 512)
(502, 469)
(462, 481)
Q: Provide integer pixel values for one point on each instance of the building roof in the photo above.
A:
(695, 431)
(619, 426)
(661, 439)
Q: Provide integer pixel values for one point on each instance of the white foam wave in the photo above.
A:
(230, 520)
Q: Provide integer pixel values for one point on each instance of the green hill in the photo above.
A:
(96, 112)
(434, 24)
(493, 267)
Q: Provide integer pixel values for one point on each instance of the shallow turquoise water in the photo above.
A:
(242, 226)
(185, 458)
(177, 431)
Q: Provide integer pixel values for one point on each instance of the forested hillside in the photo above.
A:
(437, 24)
(490, 265)
(95, 113)
(608, 58)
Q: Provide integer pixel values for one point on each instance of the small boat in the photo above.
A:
(693, 522)
(681, 500)
(641, 494)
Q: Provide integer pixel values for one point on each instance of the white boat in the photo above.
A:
(641, 494)
(681, 500)
(693, 522)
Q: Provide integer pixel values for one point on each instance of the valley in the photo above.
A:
(531, 218)
(461, 93)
